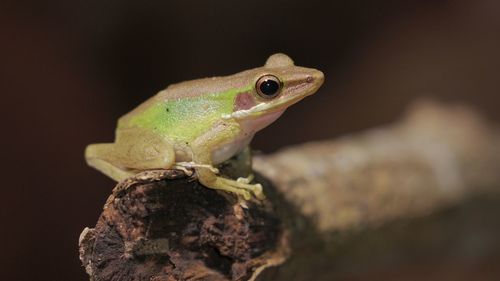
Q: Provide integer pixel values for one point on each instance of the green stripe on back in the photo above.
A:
(186, 119)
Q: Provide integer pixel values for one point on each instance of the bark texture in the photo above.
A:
(163, 225)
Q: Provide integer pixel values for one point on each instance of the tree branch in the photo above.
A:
(163, 225)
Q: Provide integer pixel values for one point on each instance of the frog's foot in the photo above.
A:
(248, 179)
(241, 186)
(191, 165)
(222, 184)
(256, 189)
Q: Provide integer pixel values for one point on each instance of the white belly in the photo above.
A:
(228, 150)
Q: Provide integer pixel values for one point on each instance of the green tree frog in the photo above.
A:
(202, 123)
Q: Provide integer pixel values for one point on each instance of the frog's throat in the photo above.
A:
(262, 108)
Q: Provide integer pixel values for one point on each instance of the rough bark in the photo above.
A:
(163, 225)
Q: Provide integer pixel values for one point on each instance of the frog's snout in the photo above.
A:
(315, 80)
(316, 77)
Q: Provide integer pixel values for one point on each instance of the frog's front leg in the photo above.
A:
(244, 159)
(202, 154)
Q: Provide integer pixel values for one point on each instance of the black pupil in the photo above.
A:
(269, 87)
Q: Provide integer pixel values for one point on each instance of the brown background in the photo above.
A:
(69, 69)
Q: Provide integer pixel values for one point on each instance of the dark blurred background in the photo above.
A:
(69, 69)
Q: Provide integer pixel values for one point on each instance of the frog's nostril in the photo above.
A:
(309, 79)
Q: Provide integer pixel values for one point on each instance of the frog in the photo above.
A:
(202, 123)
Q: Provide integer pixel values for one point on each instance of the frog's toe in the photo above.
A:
(242, 180)
(242, 192)
(246, 180)
(258, 191)
(255, 189)
(228, 186)
(246, 195)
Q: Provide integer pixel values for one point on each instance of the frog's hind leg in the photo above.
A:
(133, 151)
(92, 155)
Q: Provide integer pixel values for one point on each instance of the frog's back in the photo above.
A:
(184, 110)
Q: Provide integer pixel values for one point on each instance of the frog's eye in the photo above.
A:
(268, 86)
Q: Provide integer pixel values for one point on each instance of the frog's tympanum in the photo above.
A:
(201, 123)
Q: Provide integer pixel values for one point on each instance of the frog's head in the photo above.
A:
(274, 87)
